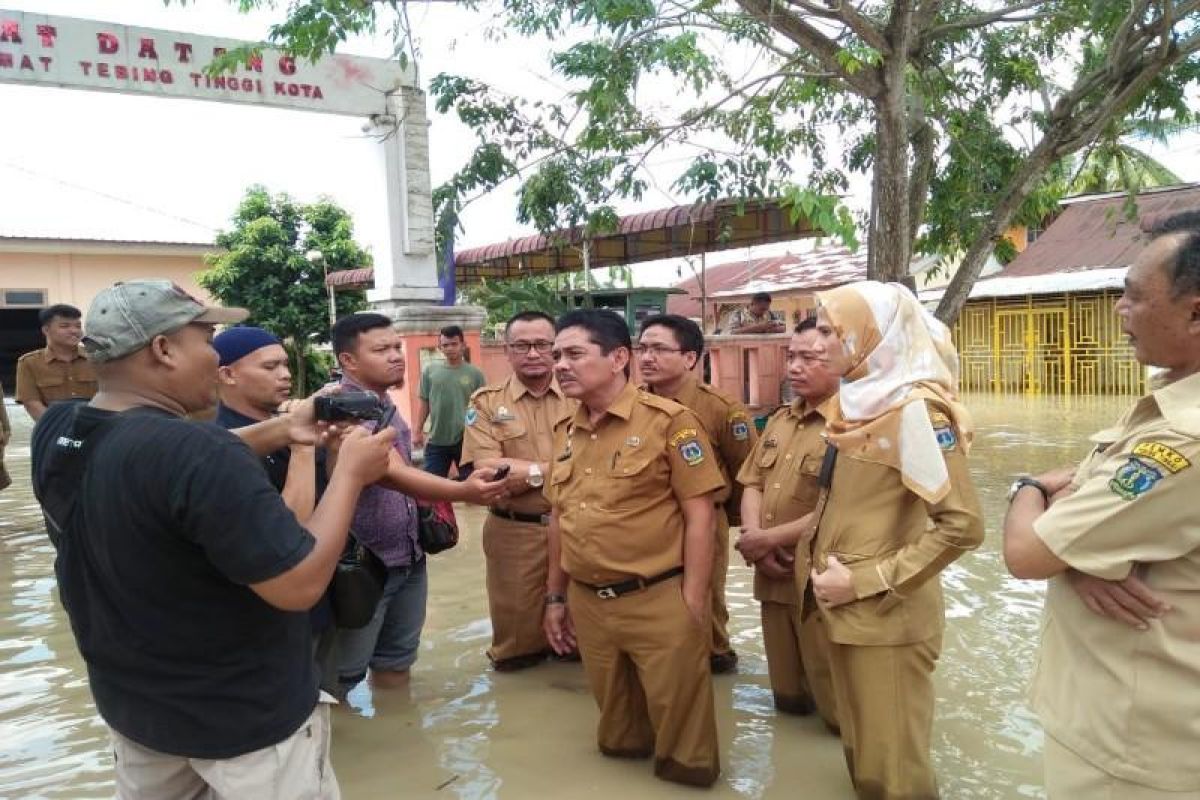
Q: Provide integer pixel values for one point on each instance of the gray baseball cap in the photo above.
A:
(127, 316)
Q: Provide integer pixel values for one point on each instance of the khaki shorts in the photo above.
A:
(1069, 777)
(298, 768)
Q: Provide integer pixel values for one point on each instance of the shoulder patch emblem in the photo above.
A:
(1172, 459)
(1133, 478)
(471, 416)
(691, 451)
(682, 435)
(945, 436)
(740, 430)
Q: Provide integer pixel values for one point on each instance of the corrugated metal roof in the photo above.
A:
(719, 278)
(1088, 280)
(1095, 234)
(38, 206)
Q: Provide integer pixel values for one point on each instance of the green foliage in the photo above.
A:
(502, 299)
(965, 110)
(263, 266)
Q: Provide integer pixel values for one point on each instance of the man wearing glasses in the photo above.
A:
(512, 423)
(668, 350)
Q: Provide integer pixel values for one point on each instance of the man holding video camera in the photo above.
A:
(371, 356)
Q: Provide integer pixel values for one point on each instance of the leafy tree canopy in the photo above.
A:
(265, 266)
(960, 112)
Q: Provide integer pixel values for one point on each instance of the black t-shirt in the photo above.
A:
(173, 520)
(277, 464)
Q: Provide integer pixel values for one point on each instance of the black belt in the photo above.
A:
(632, 585)
(521, 516)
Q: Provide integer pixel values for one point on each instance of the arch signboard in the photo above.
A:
(65, 52)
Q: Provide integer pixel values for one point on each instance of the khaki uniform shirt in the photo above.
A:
(729, 428)
(744, 316)
(1128, 700)
(46, 378)
(785, 466)
(895, 544)
(504, 420)
(617, 486)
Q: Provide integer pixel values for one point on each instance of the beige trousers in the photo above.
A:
(720, 611)
(515, 555)
(885, 708)
(646, 660)
(297, 768)
(798, 661)
(1069, 777)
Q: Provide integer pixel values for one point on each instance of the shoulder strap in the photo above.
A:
(59, 493)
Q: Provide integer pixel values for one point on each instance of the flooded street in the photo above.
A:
(463, 731)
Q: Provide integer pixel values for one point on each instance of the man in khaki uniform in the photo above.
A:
(631, 531)
(781, 488)
(512, 422)
(668, 350)
(1119, 702)
(58, 371)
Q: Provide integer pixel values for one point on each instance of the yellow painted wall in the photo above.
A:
(76, 278)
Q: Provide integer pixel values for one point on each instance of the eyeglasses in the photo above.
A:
(521, 348)
(655, 350)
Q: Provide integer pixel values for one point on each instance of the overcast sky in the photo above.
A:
(194, 159)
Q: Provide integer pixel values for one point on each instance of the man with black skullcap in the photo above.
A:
(253, 382)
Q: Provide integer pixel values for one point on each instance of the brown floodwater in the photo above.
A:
(462, 731)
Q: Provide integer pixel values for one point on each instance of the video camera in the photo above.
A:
(347, 405)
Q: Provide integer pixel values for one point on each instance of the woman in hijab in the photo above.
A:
(899, 508)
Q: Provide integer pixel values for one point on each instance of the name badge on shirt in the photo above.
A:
(503, 415)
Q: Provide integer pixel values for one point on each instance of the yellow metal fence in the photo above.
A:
(1048, 344)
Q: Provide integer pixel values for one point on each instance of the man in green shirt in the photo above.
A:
(445, 389)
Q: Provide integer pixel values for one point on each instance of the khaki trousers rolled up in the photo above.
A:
(884, 698)
(297, 768)
(515, 557)
(720, 611)
(1069, 777)
(798, 660)
(646, 660)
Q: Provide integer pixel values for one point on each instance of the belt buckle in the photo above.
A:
(606, 593)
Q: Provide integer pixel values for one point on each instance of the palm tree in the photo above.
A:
(1112, 164)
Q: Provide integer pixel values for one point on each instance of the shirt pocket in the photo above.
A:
(49, 380)
(633, 475)
(767, 458)
(808, 480)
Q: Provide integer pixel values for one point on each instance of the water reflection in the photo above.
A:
(462, 731)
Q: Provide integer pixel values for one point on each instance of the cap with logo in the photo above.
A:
(127, 316)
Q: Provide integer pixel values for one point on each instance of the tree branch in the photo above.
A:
(842, 11)
(864, 82)
(983, 20)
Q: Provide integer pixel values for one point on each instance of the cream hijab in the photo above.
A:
(900, 356)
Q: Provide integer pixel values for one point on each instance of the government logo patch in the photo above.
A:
(471, 416)
(691, 451)
(1135, 477)
(945, 437)
(741, 431)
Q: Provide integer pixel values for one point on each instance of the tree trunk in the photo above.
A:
(891, 242)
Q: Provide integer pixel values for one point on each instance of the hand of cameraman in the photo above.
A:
(364, 456)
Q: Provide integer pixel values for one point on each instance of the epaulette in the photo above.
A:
(669, 407)
(720, 394)
(491, 388)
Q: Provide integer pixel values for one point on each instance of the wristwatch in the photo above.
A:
(535, 479)
(1025, 480)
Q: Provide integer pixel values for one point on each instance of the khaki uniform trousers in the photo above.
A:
(647, 663)
(516, 558)
(720, 611)
(297, 768)
(798, 661)
(884, 698)
(1069, 777)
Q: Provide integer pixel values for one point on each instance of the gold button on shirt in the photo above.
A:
(1123, 699)
(624, 519)
(785, 466)
(46, 378)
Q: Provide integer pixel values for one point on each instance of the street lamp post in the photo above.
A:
(316, 257)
